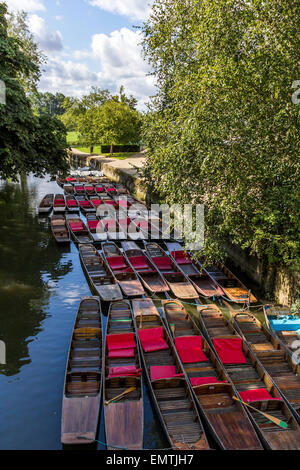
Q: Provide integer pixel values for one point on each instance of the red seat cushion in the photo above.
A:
(189, 349)
(163, 372)
(109, 190)
(152, 339)
(124, 371)
(230, 350)
(121, 353)
(96, 202)
(76, 226)
(163, 263)
(85, 203)
(72, 203)
(70, 179)
(256, 394)
(100, 189)
(139, 262)
(120, 345)
(93, 223)
(205, 380)
(79, 188)
(181, 257)
(116, 262)
(89, 188)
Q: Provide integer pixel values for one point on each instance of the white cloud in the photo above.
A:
(49, 41)
(135, 9)
(26, 5)
(120, 55)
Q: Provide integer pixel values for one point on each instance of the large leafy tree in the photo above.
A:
(222, 129)
(28, 142)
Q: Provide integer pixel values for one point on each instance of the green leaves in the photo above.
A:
(222, 129)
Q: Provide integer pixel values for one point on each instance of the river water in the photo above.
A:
(41, 285)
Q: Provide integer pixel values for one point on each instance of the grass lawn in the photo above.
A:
(72, 138)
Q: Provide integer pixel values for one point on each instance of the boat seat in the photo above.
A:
(163, 263)
(124, 371)
(76, 226)
(189, 349)
(195, 381)
(93, 224)
(139, 262)
(163, 372)
(152, 339)
(120, 345)
(181, 257)
(116, 262)
(230, 350)
(256, 395)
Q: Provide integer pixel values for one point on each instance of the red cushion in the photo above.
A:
(120, 341)
(124, 371)
(76, 226)
(110, 203)
(96, 202)
(256, 394)
(139, 262)
(116, 262)
(163, 372)
(100, 189)
(152, 339)
(162, 262)
(93, 223)
(181, 257)
(85, 203)
(205, 380)
(189, 349)
(70, 179)
(72, 203)
(121, 353)
(230, 350)
(90, 188)
(110, 189)
(79, 188)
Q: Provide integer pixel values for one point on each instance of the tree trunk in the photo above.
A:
(111, 149)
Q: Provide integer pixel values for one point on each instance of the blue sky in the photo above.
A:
(90, 43)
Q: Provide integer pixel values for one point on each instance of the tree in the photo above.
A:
(222, 129)
(116, 123)
(48, 103)
(24, 136)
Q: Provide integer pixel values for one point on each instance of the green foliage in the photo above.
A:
(222, 129)
(28, 143)
(48, 103)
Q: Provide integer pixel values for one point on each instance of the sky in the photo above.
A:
(90, 43)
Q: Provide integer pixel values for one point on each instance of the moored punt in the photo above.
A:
(95, 201)
(203, 284)
(79, 189)
(60, 229)
(274, 357)
(96, 228)
(59, 204)
(111, 190)
(284, 324)
(119, 266)
(177, 281)
(227, 419)
(68, 188)
(144, 268)
(99, 188)
(85, 204)
(123, 385)
(113, 229)
(170, 391)
(232, 287)
(71, 204)
(46, 204)
(83, 379)
(78, 229)
(99, 276)
(89, 190)
(252, 382)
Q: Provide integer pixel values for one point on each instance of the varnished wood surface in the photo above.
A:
(60, 229)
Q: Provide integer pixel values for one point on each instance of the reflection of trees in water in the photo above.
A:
(27, 256)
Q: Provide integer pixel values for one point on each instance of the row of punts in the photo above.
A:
(209, 375)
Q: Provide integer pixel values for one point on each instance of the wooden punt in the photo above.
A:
(89, 189)
(198, 277)
(96, 202)
(227, 419)
(232, 287)
(46, 204)
(177, 281)
(250, 378)
(111, 190)
(78, 229)
(96, 228)
(171, 395)
(71, 204)
(68, 188)
(100, 278)
(121, 269)
(59, 204)
(85, 205)
(284, 324)
(274, 357)
(79, 189)
(144, 268)
(124, 418)
(83, 379)
(60, 229)
(99, 188)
